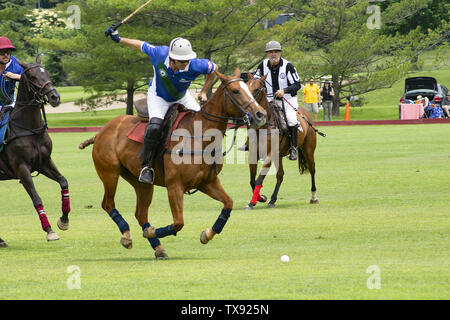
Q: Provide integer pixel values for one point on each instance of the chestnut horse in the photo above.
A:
(27, 146)
(115, 155)
(307, 141)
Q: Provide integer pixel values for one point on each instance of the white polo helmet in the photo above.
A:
(181, 49)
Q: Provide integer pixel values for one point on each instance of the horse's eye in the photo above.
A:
(235, 91)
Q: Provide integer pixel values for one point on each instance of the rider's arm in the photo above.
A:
(208, 83)
(131, 43)
(12, 76)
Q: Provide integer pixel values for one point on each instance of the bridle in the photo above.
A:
(223, 119)
(39, 96)
(39, 99)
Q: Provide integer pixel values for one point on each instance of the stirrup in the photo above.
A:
(147, 175)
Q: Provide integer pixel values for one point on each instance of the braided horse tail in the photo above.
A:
(87, 142)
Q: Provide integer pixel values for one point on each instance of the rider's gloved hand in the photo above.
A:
(114, 34)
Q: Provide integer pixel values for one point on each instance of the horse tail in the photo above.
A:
(302, 164)
(87, 142)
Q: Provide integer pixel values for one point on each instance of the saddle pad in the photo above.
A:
(3, 126)
(138, 131)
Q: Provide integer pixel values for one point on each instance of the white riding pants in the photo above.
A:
(291, 113)
(158, 107)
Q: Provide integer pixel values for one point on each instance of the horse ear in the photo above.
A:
(221, 76)
(38, 58)
(263, 79)
(237, 73)
(250, 75)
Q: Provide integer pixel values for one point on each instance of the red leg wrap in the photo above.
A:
(65, 200)
(42, 216)
(256, 195)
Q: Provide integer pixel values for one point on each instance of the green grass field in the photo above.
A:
(384, 202)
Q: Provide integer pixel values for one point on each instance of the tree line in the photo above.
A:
(360, 46)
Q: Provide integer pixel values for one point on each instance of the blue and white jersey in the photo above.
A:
(181, 79)
(14, 67)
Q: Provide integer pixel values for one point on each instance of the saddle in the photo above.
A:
(279, 118)
(173, 117)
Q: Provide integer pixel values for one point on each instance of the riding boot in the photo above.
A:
(293, 141)
(151, 140)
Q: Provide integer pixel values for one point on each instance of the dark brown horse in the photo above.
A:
(115, 155)
(307, 140)
(27, 147)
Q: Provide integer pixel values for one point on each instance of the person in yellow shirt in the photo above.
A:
(311, 97)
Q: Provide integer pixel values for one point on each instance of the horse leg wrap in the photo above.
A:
(65, 200)
(221, 220)
(256, 195)
(154, 242)
(42, 216)
(117, 218)
(165, 231)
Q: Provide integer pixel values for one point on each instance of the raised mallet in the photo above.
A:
(116, 26)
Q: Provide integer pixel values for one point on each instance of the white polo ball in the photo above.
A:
(285, 258)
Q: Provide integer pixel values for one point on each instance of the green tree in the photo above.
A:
(219, 30)
(339, 39)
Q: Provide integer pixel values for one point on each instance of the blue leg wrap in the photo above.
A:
(221, 220)
(154, 242)
(165, 231)
(117, 218)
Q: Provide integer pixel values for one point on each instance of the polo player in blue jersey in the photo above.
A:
(175, 67)
(10, 72)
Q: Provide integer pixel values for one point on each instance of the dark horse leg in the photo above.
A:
(280, 176)
(23, 173)
(50, 171)
(259, 181)
(306, 155)
(215, 190)
(144, 195)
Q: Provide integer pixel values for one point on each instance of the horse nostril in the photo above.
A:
(260, 115)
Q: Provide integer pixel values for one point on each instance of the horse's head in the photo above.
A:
(258, 89)
(36, 81)
(240, 101)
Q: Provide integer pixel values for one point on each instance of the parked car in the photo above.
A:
(425, 87)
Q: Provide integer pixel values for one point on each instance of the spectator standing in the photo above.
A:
(311, 97)
(327, 100)
(446, 105)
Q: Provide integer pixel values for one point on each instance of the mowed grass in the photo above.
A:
(384, 201)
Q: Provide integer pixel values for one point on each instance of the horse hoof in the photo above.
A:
(149, 232)
(263, 199)
(314, 201)
(3, 244)
(62, 225)
(52, 236)
(127, 243)
(249, 206)
(161, 254)
(271, 205)
(206, 236)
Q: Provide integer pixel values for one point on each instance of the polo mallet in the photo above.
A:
(307, 121)
(116, 26)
